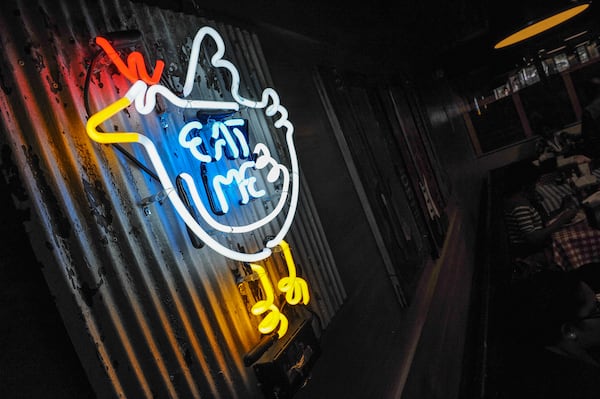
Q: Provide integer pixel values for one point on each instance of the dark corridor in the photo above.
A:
(37, 359)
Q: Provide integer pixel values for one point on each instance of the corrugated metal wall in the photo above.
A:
(149, 314)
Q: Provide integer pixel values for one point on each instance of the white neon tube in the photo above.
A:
(194, 143)
(119, 105)
(205, 214)
(144, 98)
(268, 95)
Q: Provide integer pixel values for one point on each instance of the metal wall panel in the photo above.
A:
(150, 315)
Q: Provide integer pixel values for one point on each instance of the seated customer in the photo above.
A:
(553, 339)
(568, 177)
(528, 233)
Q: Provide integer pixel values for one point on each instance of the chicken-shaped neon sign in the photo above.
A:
(226, 139)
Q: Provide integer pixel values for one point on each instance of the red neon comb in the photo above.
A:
(136, 68)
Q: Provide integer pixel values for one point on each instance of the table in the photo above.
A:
(576, 245)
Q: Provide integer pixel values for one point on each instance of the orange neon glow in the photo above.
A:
(541, 26)
(136, 68)
(295, 288)
(274, 317)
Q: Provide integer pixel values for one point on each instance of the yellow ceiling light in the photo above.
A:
(541, 26)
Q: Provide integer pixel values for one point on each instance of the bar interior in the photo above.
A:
(276, 200)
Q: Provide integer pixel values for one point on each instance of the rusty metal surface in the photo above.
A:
(150, 315)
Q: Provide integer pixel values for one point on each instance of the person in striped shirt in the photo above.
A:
(528, 234)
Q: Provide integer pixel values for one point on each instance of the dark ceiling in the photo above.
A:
(453, 36)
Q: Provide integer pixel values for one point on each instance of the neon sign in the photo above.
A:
(274, 317)
(226, 141)
(294, 287)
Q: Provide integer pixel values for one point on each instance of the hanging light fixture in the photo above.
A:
(542, 22)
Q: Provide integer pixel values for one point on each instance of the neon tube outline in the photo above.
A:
(228, 228)
(135, 68)
(270, 110)
(294, 287)
(144, 98)
(274, 317)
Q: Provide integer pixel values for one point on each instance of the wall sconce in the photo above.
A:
(535, 18)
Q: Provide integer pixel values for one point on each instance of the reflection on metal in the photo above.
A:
(150, 314)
